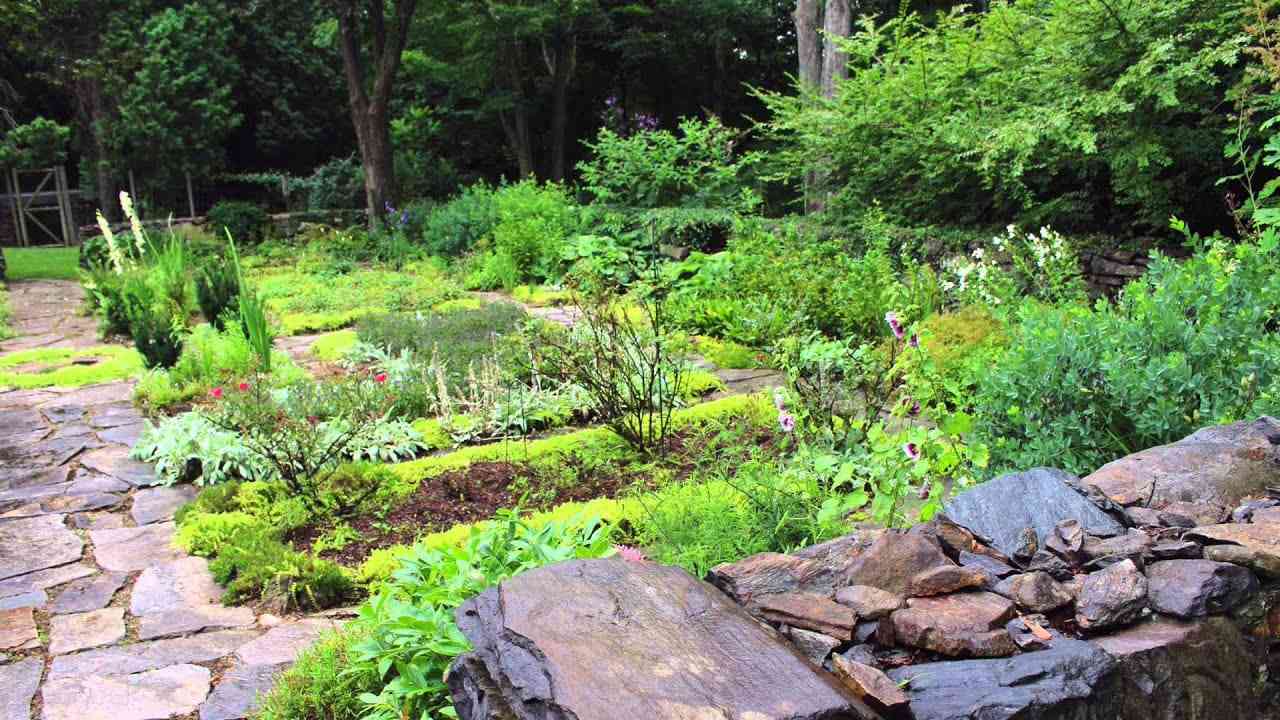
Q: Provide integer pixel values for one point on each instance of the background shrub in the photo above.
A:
(457, 226)
(246, 221)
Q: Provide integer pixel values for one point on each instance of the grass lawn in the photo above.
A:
(42, 263)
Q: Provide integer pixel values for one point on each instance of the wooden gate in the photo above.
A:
(50, 197)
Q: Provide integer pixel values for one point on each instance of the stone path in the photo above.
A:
(100, 616)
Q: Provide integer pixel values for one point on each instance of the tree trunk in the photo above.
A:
(94, 114)
(808, 43)
(515, 120)
(564, 61)
(838, 22)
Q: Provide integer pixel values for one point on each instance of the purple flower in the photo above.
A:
(389, 208)
(786, 421)
(644, 121)
(915, 340)
(892, 318)
(779, 400)
(404, 218)
(912, 452)
(915, 409)
(611, 101)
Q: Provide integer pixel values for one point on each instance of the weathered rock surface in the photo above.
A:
(1035, 592)
(18, 683)
(1111, 597)
(282, 643)
(1192, 514)
(1193, 588)
(810, 612)
(1002, 508)
(44, 579)
(646, 641)
(1171, 670)
(892, 560)
(868, 603)
(35, 599)
(1132, 545)
(1256, 545)
(89, 593)
(36, 543)
(159, 504)
(237, 694)
(174, 585)
(17, 628)
(1063, 682)
(132, 549)
(813, 645)
(81, 631)
(770, 574)
(114, 461)
(945, 579)
(1217, 465)
(962, 625)
(151, 695)
(138, 657)
(871, 686)
(184, 620)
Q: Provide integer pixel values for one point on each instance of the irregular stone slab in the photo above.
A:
(1266, 515)
(193, 619)
(993, 570)
(868, 603)
(1176, 550)
(1064, 681)
(69, 633)
(123, 435)
(37, 543)
(97, 521)
(815, 646)
(1133, 544)
(88, 482)
(1193, 588)
(17, 628)
(90, 593)
(19, 681)
(1192, 514)
(870, 685)
(174, 585)
(1040, 499)
(1256, 545)
(1219, 465)
(114, 415)
(1036, 592)
(92, 395)
(131, 549)
(150, 695)
(34, 600)
(236, 695)
(63, 504)
(810, 612)
(282, 643)
(768, 574)
(967, 624)
(1031, 632)
(44, 579)
(1172, 669)
(1111, 597)
(137, 657)
(114, 461)
(160, 503)
(648, 641)
(944, 579)
(892, 560)
(63, 413)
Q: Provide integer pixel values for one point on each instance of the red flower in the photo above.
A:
(216, 393)
(313, 420)
(244, 386)
(380, 378)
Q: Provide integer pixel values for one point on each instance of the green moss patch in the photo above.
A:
(61, 367)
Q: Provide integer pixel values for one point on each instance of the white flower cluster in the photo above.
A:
(119, 260)
(1038, 260)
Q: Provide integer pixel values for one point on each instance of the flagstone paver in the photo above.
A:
(86, 545)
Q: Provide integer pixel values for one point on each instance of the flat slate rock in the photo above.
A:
(282, 644)
(17, 628)
(1194, 588)
(1256, 545)
(19, 682)
(88, 481)
(36, 599)
(115, 462)
(159, 504)
(236, 695)
(31, 544)
(639, 640)
(89, 593)
(1059, 682)
(131, 549)
(193, 619)
(174, 585)
(44, 579)
(1220, 465)
(122, 434)
(114, 415)
(1002, 508)
(151, 695)
(142, 656)
(82, 631)
(63, 504)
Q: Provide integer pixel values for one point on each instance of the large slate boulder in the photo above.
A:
(1172, 670)
(1065, 682)
(1041, 498)
(1219, 465)
(607, 639)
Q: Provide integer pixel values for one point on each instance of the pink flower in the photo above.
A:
(216, 393)
(779, 400)
(313, 420)
(915, 409)
(244, 386)
(380, 378)
(892, 318)
(915, 340)
(912, 452)
(786, 421)
(630, 554)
